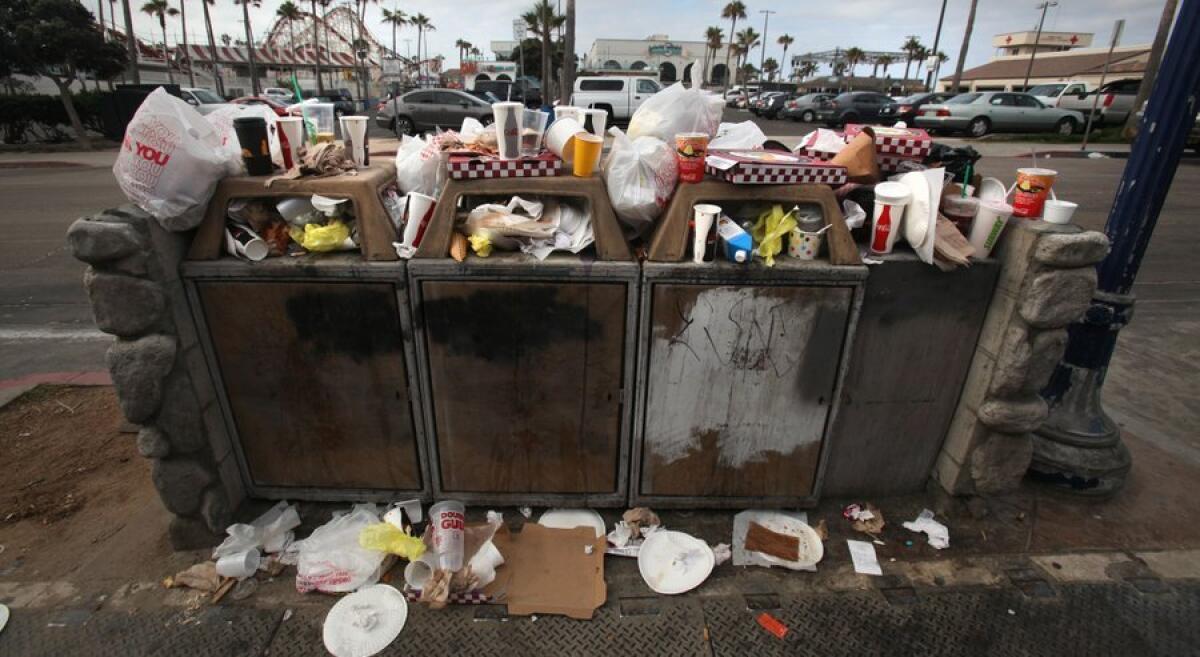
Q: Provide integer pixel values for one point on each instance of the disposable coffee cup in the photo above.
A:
(1032, 187)
(256, 150)
(508, 118)
(533, 127)
(890, 199)
(354, 134)
(1055, 211)
(595, 121)
(239, 565)
(417, 573)
(989, 223)
(960, 211)
(568, 112)
(418, 211)
(449, 523)
(560, 138)
(291, 139)
(805, 245)
(704, 240)
(690, 149)
(587, 153)
(242, 242)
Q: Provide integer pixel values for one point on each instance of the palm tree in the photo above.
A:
(806, 69)
(160, 10)
(747, 41)
(290, 13)
(360, 45)
(785, 40)
(912, 49)
(736, 72)
(396, 19)
(962, 52)
(854, 57)
(885, 61)
(733, 11)
(187, 56)
(463, 47)
(769, 68)
(212, 46)
(325, 24)
(713, 40)
(422, 23)
(246, 4)
(476, 52)
(542, 20)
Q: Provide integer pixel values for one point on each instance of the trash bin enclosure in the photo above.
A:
(738, 380)
(310, 356)
(526, 367)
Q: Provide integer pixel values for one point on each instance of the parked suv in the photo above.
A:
(204, 100)
(772, 108)
(521, 91)
(1116, 101)
(619, 96)
(342, 99)
(427, 109)
(853, 107)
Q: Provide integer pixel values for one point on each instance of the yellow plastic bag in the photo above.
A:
(315, 237)
(385, 537)
(480, 244)
(769, 231)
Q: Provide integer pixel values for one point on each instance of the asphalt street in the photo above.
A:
(46, 323)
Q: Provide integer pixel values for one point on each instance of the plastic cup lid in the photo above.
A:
(572, 518)
(365, 622)
(892, 192)
(674, 562)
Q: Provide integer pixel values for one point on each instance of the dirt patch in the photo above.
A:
(62, 452)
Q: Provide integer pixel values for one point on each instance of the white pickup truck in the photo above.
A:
(1051, 93)
(619, 96)
(1114, 105)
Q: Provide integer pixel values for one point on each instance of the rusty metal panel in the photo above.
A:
(739, 386)
(315, 381)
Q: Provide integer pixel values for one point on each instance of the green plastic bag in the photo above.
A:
(769, 231)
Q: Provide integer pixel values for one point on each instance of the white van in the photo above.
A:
(619, 96)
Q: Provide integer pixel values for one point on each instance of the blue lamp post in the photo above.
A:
(1079, 447)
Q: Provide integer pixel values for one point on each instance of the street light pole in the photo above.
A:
(762, 60)
(937, 37)
(1036, 40)
(1079, 447)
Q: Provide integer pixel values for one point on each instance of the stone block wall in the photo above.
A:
(158, 368)
(1047, 279)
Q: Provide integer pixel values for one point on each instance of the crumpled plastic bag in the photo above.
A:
(386, 537)
(732, 136)
(640, 175)
(769, 231)
(332, 236)
(331, 560)
(416, 166)
(505, 226)
(171, 160)
(271, 532)
(821, 140)
(678, 109)
(854, 213)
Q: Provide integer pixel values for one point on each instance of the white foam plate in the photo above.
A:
(572, 518)
(674, 562)
(365, 622)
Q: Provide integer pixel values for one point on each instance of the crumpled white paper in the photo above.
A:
(939, 535)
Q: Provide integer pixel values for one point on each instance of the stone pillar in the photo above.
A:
(158, 368)
(1046, 281)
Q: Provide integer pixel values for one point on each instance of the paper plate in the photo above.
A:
(991, 189)
(365, 622)
(572, 518)
(3, 617)
(811, 547)
(936, 180)
(916, 213)
(674, 562)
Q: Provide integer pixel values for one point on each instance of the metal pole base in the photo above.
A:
(1078, 448)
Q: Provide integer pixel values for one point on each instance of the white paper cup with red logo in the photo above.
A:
(890, 199)
(418, 211)
(449, 520)
(508, 117)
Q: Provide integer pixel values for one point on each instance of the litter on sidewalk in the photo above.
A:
(939, 534)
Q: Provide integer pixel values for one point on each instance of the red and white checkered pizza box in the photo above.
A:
(748, 167)
(909, 142)
(891, 163)
(472, 167)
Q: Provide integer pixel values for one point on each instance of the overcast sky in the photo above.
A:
(867, 24)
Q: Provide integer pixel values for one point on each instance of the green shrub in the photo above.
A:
(38, 118)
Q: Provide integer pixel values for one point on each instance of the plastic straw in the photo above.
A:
(966, 180)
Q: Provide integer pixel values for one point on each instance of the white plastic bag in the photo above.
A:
(678, 109)
(171, 160)
(416, 166)
(331, 560)
(640, 175)
(732, 136)
(222, 122)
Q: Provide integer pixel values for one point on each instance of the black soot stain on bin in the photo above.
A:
(504, 324)
(356, 322)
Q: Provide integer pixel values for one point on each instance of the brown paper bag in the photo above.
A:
(859, 158)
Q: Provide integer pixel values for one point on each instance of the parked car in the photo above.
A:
(485, 96)
(761, 101)
(773, 108)
(738, 90)
(907, 108)
(852, 107)
(342, 99)
(280, 108)
(1050, 93)
(521, 91)
(619, 96)
(804, 108)
(745, 101)
(997, 111)
(204, 100)
(427, 109)
(1116, 101)
(286, 96)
